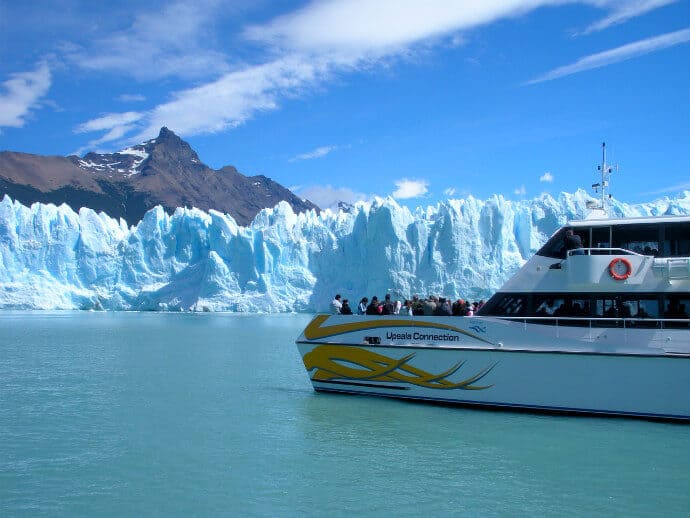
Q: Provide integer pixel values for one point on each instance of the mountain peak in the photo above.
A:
(169, 150)
(164, 132)
(168, 136)
(170, 139)
(162, 171)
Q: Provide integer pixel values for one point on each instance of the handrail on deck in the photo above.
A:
(603, 251)
(630, 321)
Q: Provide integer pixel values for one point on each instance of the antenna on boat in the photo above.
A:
(606, 171)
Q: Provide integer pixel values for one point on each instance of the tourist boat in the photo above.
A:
(601, 329)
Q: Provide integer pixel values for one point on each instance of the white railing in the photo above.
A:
(674, 267)
(602, 251)
(600, 323)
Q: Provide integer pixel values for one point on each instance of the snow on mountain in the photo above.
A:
(126, 162)
(54, 258)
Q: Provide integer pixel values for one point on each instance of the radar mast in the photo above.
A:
(603, 186)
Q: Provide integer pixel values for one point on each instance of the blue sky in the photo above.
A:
(347, 99)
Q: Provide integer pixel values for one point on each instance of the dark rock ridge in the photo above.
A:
(163, 171)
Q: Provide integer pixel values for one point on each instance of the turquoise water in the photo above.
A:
(210, 414)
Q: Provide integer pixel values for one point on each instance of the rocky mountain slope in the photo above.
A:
(163, 171)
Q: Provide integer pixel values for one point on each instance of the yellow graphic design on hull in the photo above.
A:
(316, 329)
(354, 363)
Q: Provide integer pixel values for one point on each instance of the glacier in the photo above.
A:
(55, 258)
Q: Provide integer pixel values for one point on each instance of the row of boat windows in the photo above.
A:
(657, 239)
(601, 305)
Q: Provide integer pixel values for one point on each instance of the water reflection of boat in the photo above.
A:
(602, 328)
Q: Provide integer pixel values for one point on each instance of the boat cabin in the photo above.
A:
(659, 237)
(659, 249)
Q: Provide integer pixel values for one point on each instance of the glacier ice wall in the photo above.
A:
(55, 258)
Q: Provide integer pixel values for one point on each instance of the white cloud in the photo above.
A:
(521, 191)
(546, 177)
(169, 43)
(626, 10)
(225, 103)
(674, 188)
(109, 121)
(450, 191)
(315, 153)
(327, 196)
(351, 30)
(358, 29)
(306, 47)
(232, 99)
(116, 126)
(216, 106)
(622, 53)
(21, 93)
(130, 98)
(410, 189)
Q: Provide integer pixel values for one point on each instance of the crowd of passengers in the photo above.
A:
(430, 306)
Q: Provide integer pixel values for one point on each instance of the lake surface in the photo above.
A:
(210, 414)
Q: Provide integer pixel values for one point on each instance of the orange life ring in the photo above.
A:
(613, 267)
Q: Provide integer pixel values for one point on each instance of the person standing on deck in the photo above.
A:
(346, 309)
(336, 305)
(572, 240)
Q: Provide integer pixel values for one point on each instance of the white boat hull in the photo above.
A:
(472, 364)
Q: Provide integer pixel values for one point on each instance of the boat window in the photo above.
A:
(555, 246)
(643, 307)
(676, 240)
(601, 237)
(643, 239)
(617, 306)
(646, 309)
(561, 306)
(639, 310)
(546, 305)
(676, 306)
(506, 305)
(611, 307)
(605, 307)
(577, 307)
